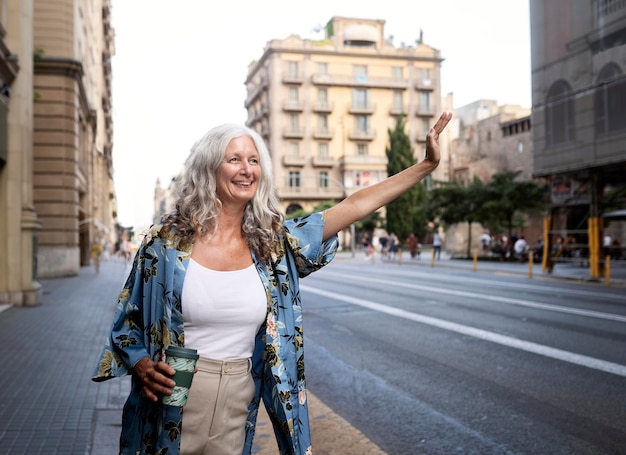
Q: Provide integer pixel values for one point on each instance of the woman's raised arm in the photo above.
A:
(360, 204)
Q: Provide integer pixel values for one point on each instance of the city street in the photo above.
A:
(436, 360)
(400, 359)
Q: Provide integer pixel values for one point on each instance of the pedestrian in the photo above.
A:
(96, 251)
(220, 274)
(437, 245)
(412, 243)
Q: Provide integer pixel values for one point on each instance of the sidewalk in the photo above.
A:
(48, 403)
(578, 271)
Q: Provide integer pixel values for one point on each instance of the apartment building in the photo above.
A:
(324, 107)
(578, 55)
(56, 138)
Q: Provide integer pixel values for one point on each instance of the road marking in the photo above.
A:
(493, 298)
(528, 346)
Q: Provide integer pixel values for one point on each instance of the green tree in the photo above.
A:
(403, 214)
(453, 203)
(508, 199)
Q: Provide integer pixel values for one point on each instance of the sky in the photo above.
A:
(179, 68)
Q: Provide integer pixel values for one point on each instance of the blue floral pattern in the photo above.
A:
(138, 330)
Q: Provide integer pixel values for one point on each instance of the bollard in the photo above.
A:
(475, 260)
(432, 261)
(399, 256)
(607, 270)
(530, 265)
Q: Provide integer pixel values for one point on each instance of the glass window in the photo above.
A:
(360, 98)
(294, 122)
(322, 68)
(424, 101)
(396, 73)
(322, 179)
(610, 101)
(362, 123)
(322, 150)
(293, 95)
(397, 100)
(292, 69)
(322, 96)
(322, 123)
(559, 111)
(361, 150)
(294, 179)
(294, 149)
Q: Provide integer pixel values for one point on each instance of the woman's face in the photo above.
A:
(239, 173)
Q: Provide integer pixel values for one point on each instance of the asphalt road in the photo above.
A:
(440, 361)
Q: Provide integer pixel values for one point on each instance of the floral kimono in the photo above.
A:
(149, 318)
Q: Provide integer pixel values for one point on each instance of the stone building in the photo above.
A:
(56, 138)
(578, 57)
(487, 138)
(324, 107)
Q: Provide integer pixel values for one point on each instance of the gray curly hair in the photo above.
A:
(198, 207)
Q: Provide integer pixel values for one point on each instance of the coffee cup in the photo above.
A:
(183, 360)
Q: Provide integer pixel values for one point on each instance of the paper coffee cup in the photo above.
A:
(183, 360)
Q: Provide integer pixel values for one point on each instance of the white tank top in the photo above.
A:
(222, 311)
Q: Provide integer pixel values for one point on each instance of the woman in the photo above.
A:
(220, 274)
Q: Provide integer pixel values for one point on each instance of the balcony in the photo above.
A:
(323, 133)
(425, 84)
(361, 81)
(424, 111)
(255, 91)
(323, 106)
(398, 110)
(362, 135)
(367, 108)
(293, 106)
(364, 160)
(323, 161)
(293, 160)
(293, 133)
(293, 78)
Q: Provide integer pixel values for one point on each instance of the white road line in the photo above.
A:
(535, 348)
(492, 298)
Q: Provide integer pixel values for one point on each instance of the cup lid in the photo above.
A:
(179, 351)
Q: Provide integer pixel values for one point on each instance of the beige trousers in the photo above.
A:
(214, 417)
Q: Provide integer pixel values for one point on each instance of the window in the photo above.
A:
(559, 114)
(424, 101)
(294, 149)
(396, 73)
(294, 179)
(397, 101)
(322, 179)
(360, 98)
(362, 123)
(425, 75)
(322, 123)
(294, 123)
(362, 178)
(361, 150)
(292, 69)
(610, 101)
(293, 95)
(360, 73)
(322, 96)
(322, 150)
(425, 126)
(322, 69)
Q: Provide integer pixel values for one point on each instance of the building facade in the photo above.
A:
(324, 107)
(578, 54)
(488, 138)
(56, 173)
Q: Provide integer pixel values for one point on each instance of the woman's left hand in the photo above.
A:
(432, 139)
